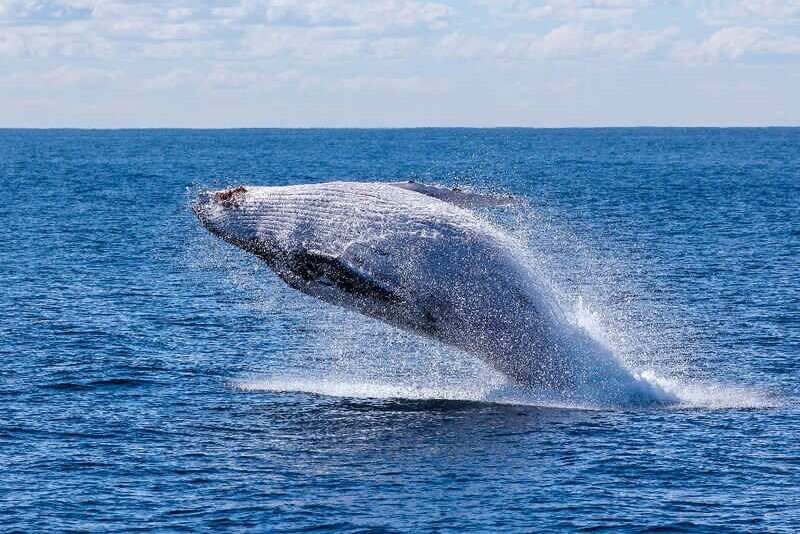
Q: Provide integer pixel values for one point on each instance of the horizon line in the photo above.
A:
(595, 127)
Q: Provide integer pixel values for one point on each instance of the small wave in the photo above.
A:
(108, 383)
(119, 382)
(65, 386)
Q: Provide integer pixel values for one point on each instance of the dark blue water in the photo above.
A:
(153, 377)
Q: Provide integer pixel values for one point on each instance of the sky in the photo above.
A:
(405, 63)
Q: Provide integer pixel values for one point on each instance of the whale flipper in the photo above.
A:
(312, 267)
(335, 280)
(458, 197)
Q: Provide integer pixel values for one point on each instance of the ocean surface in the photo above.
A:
(155, 378)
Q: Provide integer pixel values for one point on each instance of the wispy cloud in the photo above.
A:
(563, 42)
(738, 42)
(759, 12)
(573, 11)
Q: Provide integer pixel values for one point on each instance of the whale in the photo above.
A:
(422, 259)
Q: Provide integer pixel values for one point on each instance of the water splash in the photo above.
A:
(713, 396)
(691, 396)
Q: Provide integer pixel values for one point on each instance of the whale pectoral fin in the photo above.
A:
(316, 272)
(312, 266)
(459, 197)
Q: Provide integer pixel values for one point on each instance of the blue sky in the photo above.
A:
(191, 63)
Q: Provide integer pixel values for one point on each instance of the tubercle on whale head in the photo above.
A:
(230, 197)
(227, 198)
(218, 212)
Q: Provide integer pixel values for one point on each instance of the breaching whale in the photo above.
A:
(418, 258)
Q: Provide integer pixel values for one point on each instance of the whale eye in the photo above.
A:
(230, 197)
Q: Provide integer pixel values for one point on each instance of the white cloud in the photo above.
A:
(71, 40)
(634, 44)
(63, 78)
(177, 78)
(43, 10)
(214, 78)
(322, 43)
(754, 12)
(571, 11)
(243, 79)
(563, 41)
(318, 44)
(182, 50)
(458, 45)
(579, 42)
(736, 42)
(311, 29)
(374, 15)
(180, 13)
(387, 84)
(393, 47)
(11, 45)
(566, 41)
(71, 76)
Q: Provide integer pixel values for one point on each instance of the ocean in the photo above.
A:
(155, 378)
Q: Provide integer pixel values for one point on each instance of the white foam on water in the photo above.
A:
(366, 390)
(713, 396)
(690, 396)
(509, 395)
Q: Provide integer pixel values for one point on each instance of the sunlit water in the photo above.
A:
(153, 376)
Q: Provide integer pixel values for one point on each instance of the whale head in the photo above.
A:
(277, 223)
(312, 239)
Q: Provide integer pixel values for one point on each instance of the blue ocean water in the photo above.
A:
(153, 377)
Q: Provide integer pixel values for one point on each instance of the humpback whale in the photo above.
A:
(416, 257)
